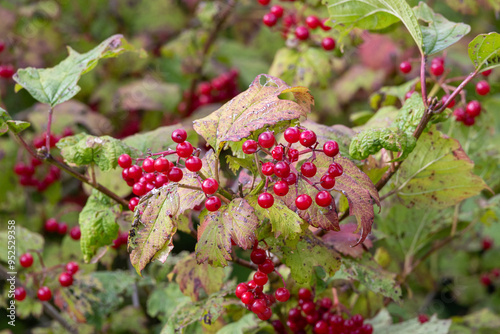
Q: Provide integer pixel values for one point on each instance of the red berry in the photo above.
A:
(308, 138)
(72, 268)
(486, 73)
(258, 306)
(209, 186)
(267, 267)
(335, 169)
(6, 71)
(277, 11)
(26, 260)
(293, 155)
(323, 198)
(266, 139)
(184, 149)
(405, 67)
(451, 104)
(62, 228)
(423, 318)
(193, 164)
(324, 26)
(321, 327)
(125, 161)
(282, 169)
(486, 280)
(302, 33)
(175, 174)
(483, 87)
(2, 46)
(51, 225)
(213, 203)
(160, 180)
(358, 320)
(161, 165)
(487, 243)
(469, 120)
(349, 325)
(282, 294)
(303, 202)
(331, 148)
(291, 179)
(247, 298)
(326, 303)
(44, 294)
(304, 294)
(294, 315)
(308, 169)
(267, 169)
(309, 307)
(495, 272)
(437, 69)
(265, 200)
(139, 189)
(266, 314)
(260, 278)
(250, 146)
(179, 135)
(366, 329)
(281, 188)
(328, 43)
(19, 294)
(264, 2)
(473, 108)
(241, 289)
(75, 233)
(269, 19)
(148, 165)
(204, 88)
(258, 256)
(135, 172)
(336, 321)
(312, 318)
(313, 22)
(277, 153)
(20, 168)
(65, 279)
(292, 135)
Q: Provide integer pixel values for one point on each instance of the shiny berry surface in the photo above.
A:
(281, 188)
(26, 260)
(265, 200)
(292, 135)
(405, 67)
(213, 203)
(179, 135)
(44, 294)
(250, 146)
(266, 139)
(72, 268)
(323, 198)
(308, 138)
(308, 169)
(65, 279)
(209, 186)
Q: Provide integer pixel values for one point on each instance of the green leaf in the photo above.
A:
(257, 107)
(236, 221)
(303, 255)
(244, 325)
(375, 15)
(410, 114)
(60, 83)
(235, 164)
(148, 94)
(396, 91)
(301, 68)
(154, 227)
(158, 140)
(163, 300)
(484, 51)
(83, 149)
(382, 324)
(437, 32)
(383, 118)
(198, 281)
(284, 221)
(7, 123)
(338, 132)
(437, 174)
(373, 140)
(97, 224)
(484, 318)
(371, 276)
(30, 240)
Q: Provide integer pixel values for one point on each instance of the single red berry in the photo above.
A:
(486, 73)
(335, 169)
(277, 11)
(51, 225)
(161, 165)
(258, 256)
(204, 88)
(304, 294)
(267, 267)
(35, 162)
(62, 228)
(175, 174)
(282, 294)
(281, 188)
(7, 71)
(291, 179)
(277, 153)
(125, 175)
(2, 46)
(269, 19)
(149, 177)
(437, 69)
(313, 22)
(469, 120)
(358, 320)
(486, 280)
(250, 146)
(213, 203)
(260, 278)
(19, 294)
(292, 135)
(309, 307)
(405, 67)
(135, 172)
(251, 285)
(438, 60)
(483, 87)
(26, 260)
(303, 202)
(302, 33)
(321, 327)
(328, 43)
(349, 325)
(265, 200)
(487, 243)
(308, 138)
(75, 233)
(193, 164)
(258, 306)
(148, 165)
(184, 149)
(65, 279)
(323, 198)
(44, 294)
(293, 155)
(473, 108)
(331, 148)
(125, 161)
(241, 289)
(139, 189)
(267, 169)
(312, 318)
(308, 169)
(451, 104)
(326, 303)
(209, 186)
(72, 267)
(179, 135)
(20, 168)
(336, 321)
(495, 272)
(366, 329)
(282, 169)
(266, 139)
(160, 180)
(264, 2)
(423, 318)
(266, 314)
(247, 298)
(324, 26)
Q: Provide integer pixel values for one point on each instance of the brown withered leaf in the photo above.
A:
(345, 238)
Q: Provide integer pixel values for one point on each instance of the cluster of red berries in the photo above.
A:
(468, 115)
(53, 226)
(280, 169)
(219, 89)
(290, 23)
(487, 278)
(6, 71)
(320, 317)
(44, 293)
(251, 293)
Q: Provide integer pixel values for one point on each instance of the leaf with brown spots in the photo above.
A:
(437, 174)
(236, 221)
(257, 107)
(198, 281)
(343, 239)
(153, 226)
(484, 51)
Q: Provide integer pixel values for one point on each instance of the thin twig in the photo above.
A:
(243, 263)
(49, 125)
(422, 79)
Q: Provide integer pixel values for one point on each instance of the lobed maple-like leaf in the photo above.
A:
(257, 107)
(154, 226)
